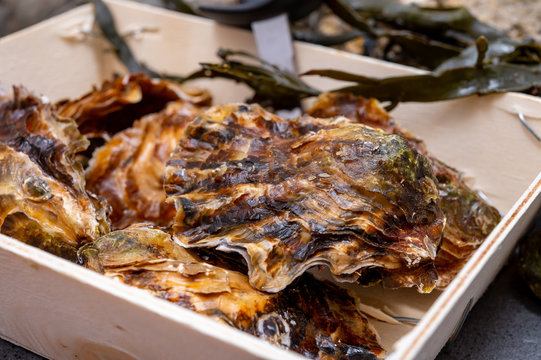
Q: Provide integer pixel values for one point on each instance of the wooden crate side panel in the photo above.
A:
(63, 311)
(447, 312)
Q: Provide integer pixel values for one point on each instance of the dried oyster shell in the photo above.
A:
(470, 219)
(289, 195)
(129, 170)
(314, 318)
(43, 200)
(106, 111)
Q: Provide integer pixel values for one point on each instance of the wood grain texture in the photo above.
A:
(63, 311)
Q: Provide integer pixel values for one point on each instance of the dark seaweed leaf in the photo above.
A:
(226, 54)
(527, 53)
(344, 11)
(327, 40)
(181, 6)
(344, 76)
(482, 48)
(419, 47)
(272, 86)
(499, 51)
(283, 90)
(450, 84)
(106, 22)
(448, 24)
(480, 79)
(423, 50)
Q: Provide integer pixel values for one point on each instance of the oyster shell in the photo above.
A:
(289, 195)
(470, 219)
(43, 200)
(106, 111)
(314, 318)
(129, 170)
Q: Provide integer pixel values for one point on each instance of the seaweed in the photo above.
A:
(272, 86)
(106, 23)
(481, 79)
(493, 64)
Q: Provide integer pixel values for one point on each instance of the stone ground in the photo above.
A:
(520, 17)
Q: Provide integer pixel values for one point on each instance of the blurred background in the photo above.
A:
(521, 18)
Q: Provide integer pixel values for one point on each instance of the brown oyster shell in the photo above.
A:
(129, 170)
(43, 200)
(470, 219)
(118, 103)
(313, 318)
(289, 195)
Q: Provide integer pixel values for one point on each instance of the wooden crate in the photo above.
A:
(60, 310)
